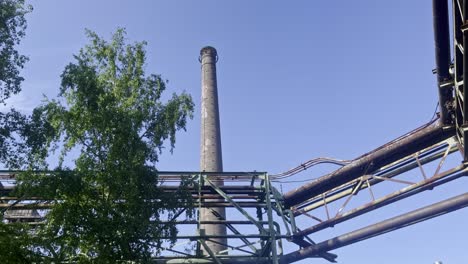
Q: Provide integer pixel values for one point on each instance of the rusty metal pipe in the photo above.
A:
(428, 184)
(380, 228)
(370, 162)
(331, 197)
(442, 56)
(224, 260)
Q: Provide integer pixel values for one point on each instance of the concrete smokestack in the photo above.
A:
(211, 156)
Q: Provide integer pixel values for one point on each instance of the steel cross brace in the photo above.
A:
(270, 232)
(235, 231)
(238, 207)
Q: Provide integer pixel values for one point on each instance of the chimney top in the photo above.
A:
(208, 50)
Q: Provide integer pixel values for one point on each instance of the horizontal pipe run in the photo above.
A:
(223, 188)
(224, 260)
(18, 217)
(186, 222)
(371, 162)
(195, 237)
(391, 198)
(204, 205)
(247, 190)
(25, 206)
(163, 176)
(380, 228)
(234, 197)
(161, 173)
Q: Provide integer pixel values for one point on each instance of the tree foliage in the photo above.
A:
(12, 30)
(14, 242)
(109, 116)
(14, 238)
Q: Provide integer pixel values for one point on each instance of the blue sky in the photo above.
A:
(296, 80)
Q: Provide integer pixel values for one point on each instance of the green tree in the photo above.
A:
(12, 30)
(14, 238)
(108, 206)
(15, 243)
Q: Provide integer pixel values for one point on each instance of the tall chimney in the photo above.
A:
(211, 156)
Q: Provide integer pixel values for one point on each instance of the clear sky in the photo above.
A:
(296, 80)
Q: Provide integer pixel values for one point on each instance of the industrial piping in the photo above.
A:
(442, 56)
(380, 228)
(372, 161)
(428, 184)
(211, 156)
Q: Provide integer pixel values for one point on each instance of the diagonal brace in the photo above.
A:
(225, 196)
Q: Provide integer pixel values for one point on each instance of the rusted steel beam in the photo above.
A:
(370, 162)
(380, 228)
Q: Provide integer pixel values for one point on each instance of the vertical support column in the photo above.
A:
(457, 44)
(271, 228)
(442, 55)
(465, 80)
(211, 156)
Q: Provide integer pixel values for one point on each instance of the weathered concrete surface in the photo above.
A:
(211, 156)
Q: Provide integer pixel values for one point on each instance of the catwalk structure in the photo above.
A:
(243, 218)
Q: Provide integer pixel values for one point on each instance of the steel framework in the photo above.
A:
(268, 218)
